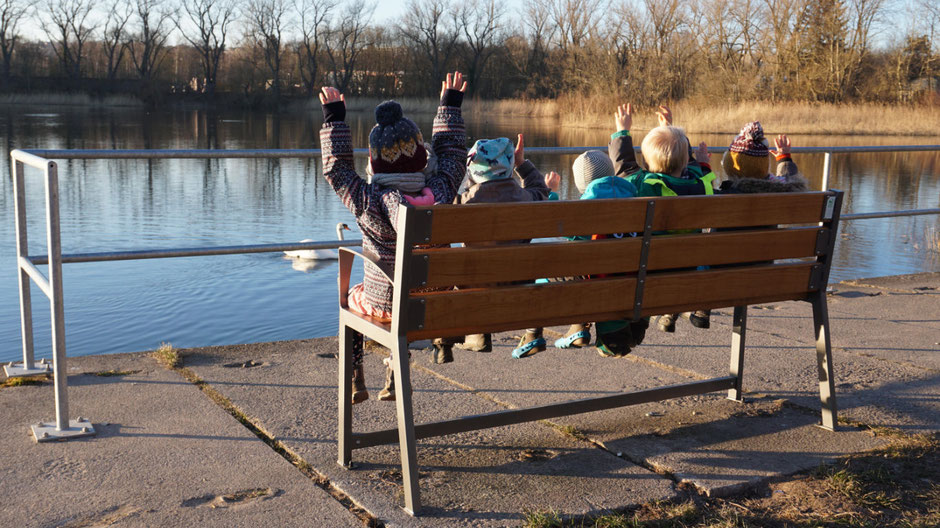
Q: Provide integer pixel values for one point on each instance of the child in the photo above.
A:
(747, 161)
(400, 165)
(672, 171)
(593, 176)
(489, 167)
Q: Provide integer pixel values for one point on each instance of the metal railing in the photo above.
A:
(52, 287)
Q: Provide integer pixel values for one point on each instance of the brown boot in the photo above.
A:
(477, 343)
(388, 392)
(359, 392)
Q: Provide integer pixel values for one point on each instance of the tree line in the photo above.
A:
(645, 51)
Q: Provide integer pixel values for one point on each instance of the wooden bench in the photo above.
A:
(643, 276)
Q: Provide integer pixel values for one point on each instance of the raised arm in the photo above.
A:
(337, 153)
(533, 183)
(620, 148)
(449, 141)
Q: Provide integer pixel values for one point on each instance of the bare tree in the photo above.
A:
(69, 28)
(314, 25)
(347, 40)
(211, 20)
(430, 31)
(114, 35)
(147, 44)
(481, 21)
(574, 20)
(268, 21)
(12, 12)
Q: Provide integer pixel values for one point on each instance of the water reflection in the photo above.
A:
(109, 205)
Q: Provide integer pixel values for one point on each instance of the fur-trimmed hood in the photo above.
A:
(762, 185)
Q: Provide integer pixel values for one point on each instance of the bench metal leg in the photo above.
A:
(344, 434)
(827, 389)
(406, 427)
(738, 333)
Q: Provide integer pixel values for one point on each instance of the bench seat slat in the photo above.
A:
(675, 292)
(514, 221)
(473, 266)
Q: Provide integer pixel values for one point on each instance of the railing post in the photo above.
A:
(63, 428)
(827, 168)
(28, 367)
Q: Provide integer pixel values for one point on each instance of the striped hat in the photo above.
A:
(749, 154)
(591, 166)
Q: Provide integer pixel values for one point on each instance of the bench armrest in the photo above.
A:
(346, 257)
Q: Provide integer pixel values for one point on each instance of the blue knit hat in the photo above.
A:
(490, 159)
(395, 143)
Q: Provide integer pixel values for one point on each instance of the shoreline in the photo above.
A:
(853, 119)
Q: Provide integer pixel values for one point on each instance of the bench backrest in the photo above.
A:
(633, 276)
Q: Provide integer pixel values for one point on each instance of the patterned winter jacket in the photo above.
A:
(375, 206)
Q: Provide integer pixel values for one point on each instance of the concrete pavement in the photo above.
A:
(167, 454)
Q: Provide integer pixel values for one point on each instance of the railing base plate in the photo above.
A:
(16, 370)
(46, 432)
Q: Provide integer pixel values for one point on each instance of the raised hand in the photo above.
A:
(782, 142)
(553, 181)
(623, 118)
(519, 154)
(664, 116)
(454, 82)
(331, 95)
(702, 155)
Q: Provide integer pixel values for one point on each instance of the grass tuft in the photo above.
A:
(22, 381)
(167, 356)
(542, 519)
(112, 372)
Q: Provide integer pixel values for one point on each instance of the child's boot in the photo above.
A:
(477, 343)
(359, 392)
(638, 329)
(667, 323)
(442, 352)
(613, 339)
(531, 342)
(388, 392)
(700, 318)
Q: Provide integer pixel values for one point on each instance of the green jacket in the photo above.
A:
(655, 184)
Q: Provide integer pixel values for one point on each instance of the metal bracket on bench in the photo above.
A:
(415, 314)
(829, 207)
(816, 277)
(422, 226)
(822, 241)
(644, 256)
(417, 271)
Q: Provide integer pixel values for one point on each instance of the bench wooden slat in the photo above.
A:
(743, 210)
(489, 265)
(452, 312)
(714, 249)
(513, 221)
(675, 292)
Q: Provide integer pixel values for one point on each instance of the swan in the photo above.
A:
(319, 254)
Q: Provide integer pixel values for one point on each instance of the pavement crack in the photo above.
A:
(276, 445)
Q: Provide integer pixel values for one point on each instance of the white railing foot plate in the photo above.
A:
(15, 370)
(46, 431)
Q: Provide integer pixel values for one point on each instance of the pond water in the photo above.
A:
(133, 204)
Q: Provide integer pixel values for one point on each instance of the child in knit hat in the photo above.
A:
(747, 162)
(398, 169)
(594, 177)
(490, 165)
(672, 171)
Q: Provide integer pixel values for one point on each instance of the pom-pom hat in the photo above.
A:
(749, 153)
(395, 142)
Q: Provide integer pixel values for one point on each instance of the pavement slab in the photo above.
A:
(164, 455)
(478, 478)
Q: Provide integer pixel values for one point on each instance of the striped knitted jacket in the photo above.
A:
(375, 206)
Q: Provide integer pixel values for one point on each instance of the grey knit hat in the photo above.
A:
(591, 165)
